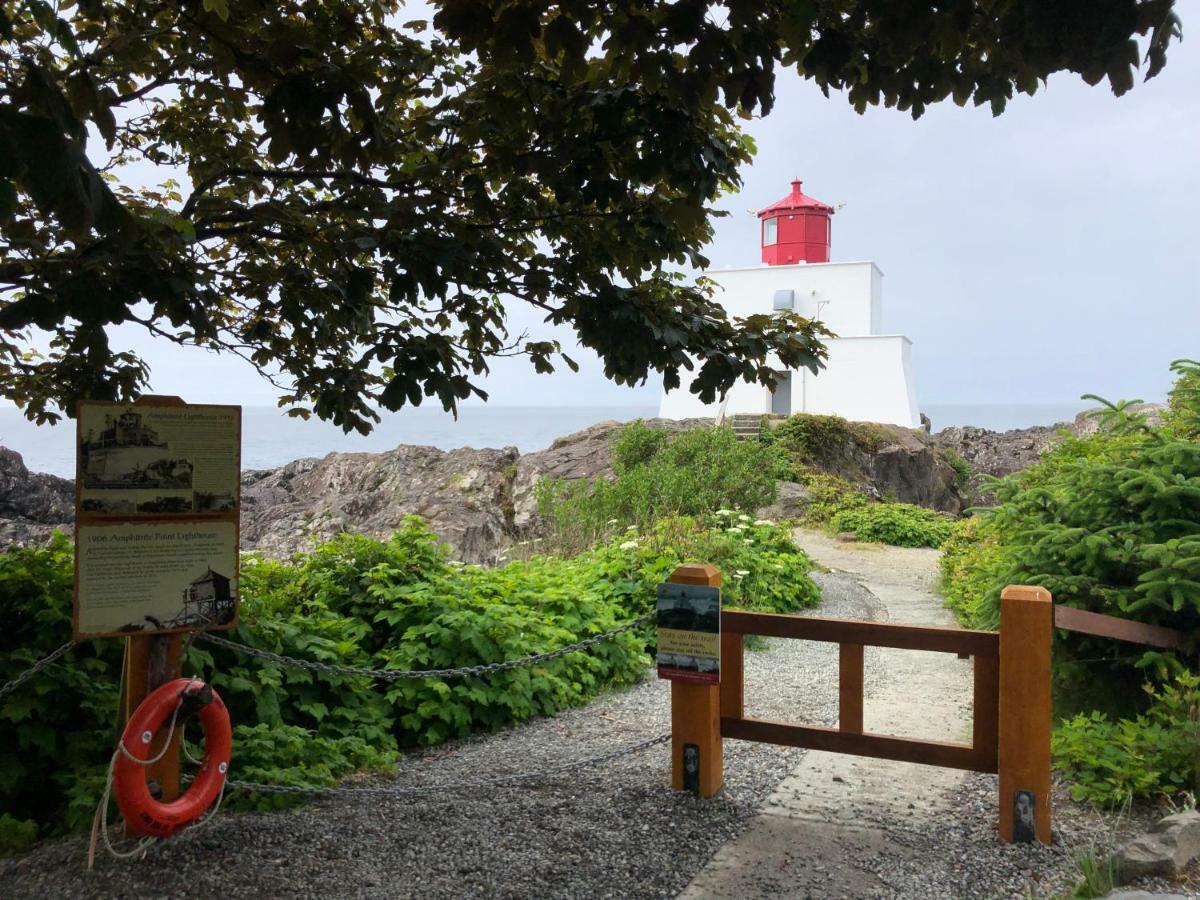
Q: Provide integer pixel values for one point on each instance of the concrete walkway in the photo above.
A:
(821, 834)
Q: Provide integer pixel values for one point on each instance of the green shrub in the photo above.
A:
(291, 755)
(898, 524)
(962, 469)
(56, 731)
(1183, 408)
(1108, 523)
(824, 440)
(1153, 755)
(828, 495)
(972, 564)
(16, 834)
(398, 603)
(657, 474)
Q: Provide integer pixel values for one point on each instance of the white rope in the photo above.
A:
(166, 744)
(183, 745)
(142, 845)
(204, 820)
(146, 842)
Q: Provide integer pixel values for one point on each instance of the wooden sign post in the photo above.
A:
(697, 753)
(157, 506)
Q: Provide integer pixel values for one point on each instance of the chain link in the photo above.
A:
(35, 668)
(398, 674)
(466, 784)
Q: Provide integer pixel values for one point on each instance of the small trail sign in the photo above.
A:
(157, 503)
(689, 633)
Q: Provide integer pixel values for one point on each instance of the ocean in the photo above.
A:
(271, 439)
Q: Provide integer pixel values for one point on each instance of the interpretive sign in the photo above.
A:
(689, 633)
(158, 496)
(142, 461)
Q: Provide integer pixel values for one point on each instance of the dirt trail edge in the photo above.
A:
(829, 825)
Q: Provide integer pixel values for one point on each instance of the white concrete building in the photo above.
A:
(868, 374)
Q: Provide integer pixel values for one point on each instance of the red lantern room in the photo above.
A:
(796, 229)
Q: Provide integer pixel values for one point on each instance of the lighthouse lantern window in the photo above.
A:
(770, 234)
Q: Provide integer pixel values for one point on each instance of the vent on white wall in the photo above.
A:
(785, 299)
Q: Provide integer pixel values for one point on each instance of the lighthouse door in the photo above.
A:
(781, 397)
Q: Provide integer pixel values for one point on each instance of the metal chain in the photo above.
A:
(397, 674)
(467, 784)
(35, 668)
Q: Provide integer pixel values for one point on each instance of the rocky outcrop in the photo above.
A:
(32, 496)
(887, 462)
(1000, 453)
(995, 453)
(32, 504)
(1163, 852)
(910, 469)
(465, 495)
(480, 501)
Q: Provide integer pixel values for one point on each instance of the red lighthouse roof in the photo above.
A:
(796, 229)
(796, 200)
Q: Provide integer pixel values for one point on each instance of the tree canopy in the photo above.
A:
(349, 200)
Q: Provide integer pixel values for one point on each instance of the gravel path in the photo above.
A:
(615, 831)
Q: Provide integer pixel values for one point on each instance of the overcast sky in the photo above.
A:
(1049, 252)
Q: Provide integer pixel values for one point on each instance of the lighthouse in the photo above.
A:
(868, 373)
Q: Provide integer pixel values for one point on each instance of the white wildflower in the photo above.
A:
(724, 512)
(629, 545)
(748, 541)
(742, 573)
(631, 528)
(743, 518)
(612, 521)
(763, 522)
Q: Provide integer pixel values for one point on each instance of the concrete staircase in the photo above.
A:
(747, 426)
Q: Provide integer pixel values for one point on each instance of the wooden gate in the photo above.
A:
(1010, 732)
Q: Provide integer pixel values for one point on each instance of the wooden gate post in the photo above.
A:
(1026, 629)
(696, 712)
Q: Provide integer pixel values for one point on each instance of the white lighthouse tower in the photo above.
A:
(868, 374)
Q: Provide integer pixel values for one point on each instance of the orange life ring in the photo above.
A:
(143, 814)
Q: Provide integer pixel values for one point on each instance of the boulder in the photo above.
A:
(911, 470)
(465, 495)
(790, 503)
(1165, 851)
